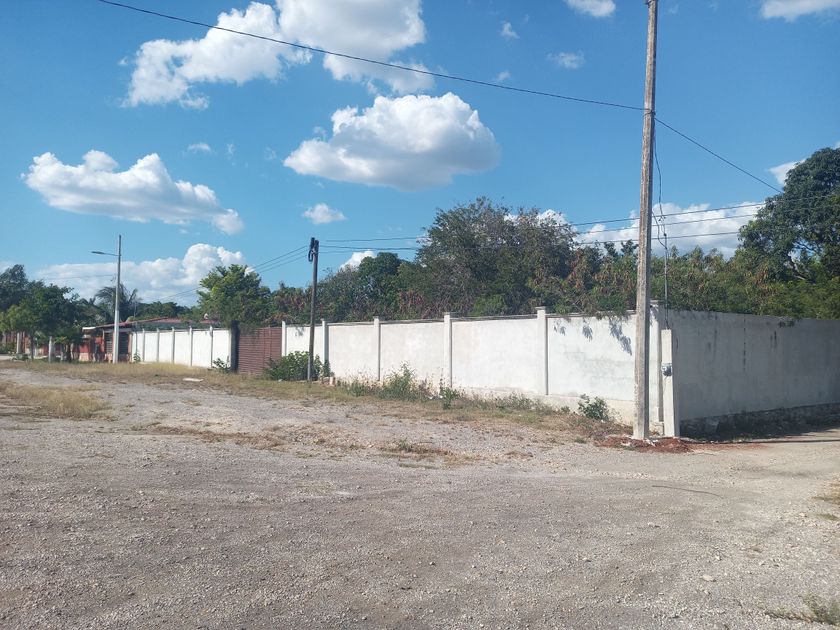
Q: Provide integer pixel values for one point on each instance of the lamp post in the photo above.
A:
(115, 344)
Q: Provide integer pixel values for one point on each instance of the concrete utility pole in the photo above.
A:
(313, 258)
(115, 345)
(115, 350)
(641, 422)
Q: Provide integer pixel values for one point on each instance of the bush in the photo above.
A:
(447, 395)
(219, 365)
(596, 409)
(292, 367)
(402, 385)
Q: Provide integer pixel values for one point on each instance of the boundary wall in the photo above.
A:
(708, 371)
(554, 358)
(195, 347)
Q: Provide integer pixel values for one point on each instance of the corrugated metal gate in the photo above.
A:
(256, 347)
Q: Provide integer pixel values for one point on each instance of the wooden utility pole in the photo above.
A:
(313, 258)
(641, 422)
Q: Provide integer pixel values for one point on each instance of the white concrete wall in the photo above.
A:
(352, 350)
(556, 359)
(728, 364)
(416, 344)
(494, 354)
(155, 346)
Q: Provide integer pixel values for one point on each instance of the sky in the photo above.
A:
(201, 147)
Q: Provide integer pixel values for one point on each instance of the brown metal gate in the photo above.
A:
(256, 347)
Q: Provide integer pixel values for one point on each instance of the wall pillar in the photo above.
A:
(191, 346)
(447, 349)
(211, 347)
(377, 341)
(173, 345)
(50, 348)
(325, 342)
(143, 346)
(542, 352)
(19, 343)
(157, 346)
(670, 410)
(284, 338)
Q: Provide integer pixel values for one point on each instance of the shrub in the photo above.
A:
(292, 367)
(447, 395)
(596, 409)
(220, 365)
(402, 385)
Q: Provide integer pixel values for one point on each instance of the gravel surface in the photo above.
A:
(193, 508)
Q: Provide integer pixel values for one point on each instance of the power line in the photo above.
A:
(717, 155)
(386, 64)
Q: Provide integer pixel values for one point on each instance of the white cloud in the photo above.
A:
(507, 31)
(153, 279)
(699, 225)
(780, 172)
(595, 8)
(568, 60)
(356, 259)
(375, 29)
(503, 76)
(199, 147)
(792, 9)
(409, 143)
(143, 192)
(168, 71)
(269, 154)
(321, 213)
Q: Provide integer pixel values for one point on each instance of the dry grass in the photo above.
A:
(506, 411)
(75, 403)
(820, 610)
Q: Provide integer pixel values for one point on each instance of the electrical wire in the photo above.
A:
(717, 155)
(395, 66)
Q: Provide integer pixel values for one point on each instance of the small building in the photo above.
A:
(98, 342)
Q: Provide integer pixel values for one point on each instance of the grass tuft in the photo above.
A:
(75, 403)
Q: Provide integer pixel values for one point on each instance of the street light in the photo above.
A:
(115, 345)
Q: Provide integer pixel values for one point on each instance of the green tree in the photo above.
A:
(234, 294)
(798, 231)
(104, 300)
(13, 285)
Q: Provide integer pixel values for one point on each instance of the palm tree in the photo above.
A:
(104, 300)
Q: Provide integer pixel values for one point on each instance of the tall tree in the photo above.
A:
(129, 302)
(798, 231)
(13, 285)
(234, 294)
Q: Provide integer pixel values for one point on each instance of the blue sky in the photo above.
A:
(204, 149)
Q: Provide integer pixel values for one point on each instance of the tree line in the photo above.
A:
(481, 258)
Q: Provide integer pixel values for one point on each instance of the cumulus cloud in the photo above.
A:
(507, 31)
(375, 29)
(503, 76)
(143, 192)
(321, 213)
(699, 225)
(780, 172)
(356, 259)
(168, 71)
(595, 8)
(408, 143)
(199, 147)
(154, 279)
(568, 60)
(791, 9)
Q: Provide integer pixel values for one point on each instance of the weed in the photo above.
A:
(828, 517)
(358, 387)
(580, 440)
(402, 385)
(219, 365)
(75, 403)
(293, 367)
(447, 396)
(136, 358)
(833, 495)
(595, 409)
(565, 409)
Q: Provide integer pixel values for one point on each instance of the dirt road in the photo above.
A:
(193, 508)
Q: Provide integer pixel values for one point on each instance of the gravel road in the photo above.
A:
(198, 509)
